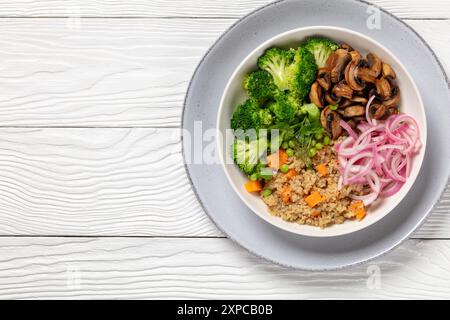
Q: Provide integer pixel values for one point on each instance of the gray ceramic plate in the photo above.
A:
(223, 205)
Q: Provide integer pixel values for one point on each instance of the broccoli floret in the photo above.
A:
(285, 107)
(265, 117)
(247, 153)
(260, 86)
(292, 70)
(304, 73)
(249, 115)
(321, 48)
(311, 110)
(246, 116)
(277, 62)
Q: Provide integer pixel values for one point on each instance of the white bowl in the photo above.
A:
(411, 103)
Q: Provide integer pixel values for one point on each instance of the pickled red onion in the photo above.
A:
(380, 157)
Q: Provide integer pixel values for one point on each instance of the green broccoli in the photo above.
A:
(265, 117)
(292, 70)
(311, 110)
(285, 107)
(278, 63)
(304, 73)
(246, 116)
(321, 48)
(260, 86)
(247, 153)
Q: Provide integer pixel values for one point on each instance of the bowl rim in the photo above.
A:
(315, 231)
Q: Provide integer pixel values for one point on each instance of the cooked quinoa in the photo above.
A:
(287, 199)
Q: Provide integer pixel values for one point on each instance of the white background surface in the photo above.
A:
(94, 199)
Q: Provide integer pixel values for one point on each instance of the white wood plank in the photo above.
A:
(114, 72)
(96, 182)
(190, 8)
(206, 268)
(116, 182)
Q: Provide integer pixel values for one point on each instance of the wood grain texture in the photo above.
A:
(206, 268)
(114, 72)
(190, 8)
(124, 182)
(110, 182)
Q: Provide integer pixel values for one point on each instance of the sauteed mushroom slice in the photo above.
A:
(388, 72)
(352, 123)
(351, 72)
(332, 99)
(393, 110)
(347, 47)
(324, 78)
(366, 75)
(345, 103)
(378, 111)
(394, 99)
(383, 88)
(359, 99)
(316, 95)
(375, 64)
(336, 64)
(354, 111)
(342, 90)
(330, 121)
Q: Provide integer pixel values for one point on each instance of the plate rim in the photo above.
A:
(194, 188)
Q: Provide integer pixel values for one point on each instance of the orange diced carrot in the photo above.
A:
(314, 199)
(285, 194)
(322, 169)
(291, 173)
(358, 209)
(277, 159)
(315, 214)
(253, 186)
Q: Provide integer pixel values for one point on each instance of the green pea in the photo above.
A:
(285, 145)
(254, 177)
(313, 142)
(266, 192)
(318, 136)
(319, 146)
(326, 140)
(292, 144)
(311, 152)
(284, 168)
(290, 152)
(333, 107)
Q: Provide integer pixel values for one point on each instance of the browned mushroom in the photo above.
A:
(393, 110)
(336, 64)
(359, 99)
(351, 72)
(347, 47)
(366, 75)
(331, 122)
(378, 111)
(345, 103)
(352, 123)
(375, 64)
(354, 111)
(324, 78)
(332, 99)
(316, 95)
(342, 90)
(394, 99)
(388, 72)
(383, 88)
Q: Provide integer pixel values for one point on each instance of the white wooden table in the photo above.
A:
(94, 199)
